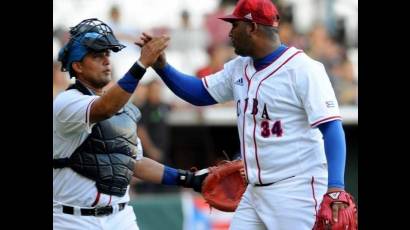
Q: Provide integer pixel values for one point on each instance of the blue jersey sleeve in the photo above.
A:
(335, 148)
(185, 86)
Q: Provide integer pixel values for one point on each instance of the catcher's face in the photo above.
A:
(95, 69)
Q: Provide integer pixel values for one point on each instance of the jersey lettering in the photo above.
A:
(246, 104)
(238, 108)
(255, 106)
(265, 113)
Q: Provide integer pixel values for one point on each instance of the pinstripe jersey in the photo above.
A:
(278, 109)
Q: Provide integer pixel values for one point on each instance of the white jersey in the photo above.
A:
(278, 109)
(71, 126)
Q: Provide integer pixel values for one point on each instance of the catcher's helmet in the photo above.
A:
(89, 35)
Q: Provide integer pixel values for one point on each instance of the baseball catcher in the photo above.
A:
(221, 186)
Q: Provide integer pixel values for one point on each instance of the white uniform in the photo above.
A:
(278, 109)
(71, 127)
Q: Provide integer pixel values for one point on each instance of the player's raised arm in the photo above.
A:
(187, 87)
(87, 58)
(116, 97)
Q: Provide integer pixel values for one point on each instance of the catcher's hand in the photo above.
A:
(337, 212)
(192, 179)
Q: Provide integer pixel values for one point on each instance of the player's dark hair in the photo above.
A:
(72, 73)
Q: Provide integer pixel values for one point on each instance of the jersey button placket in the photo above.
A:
(248, 138)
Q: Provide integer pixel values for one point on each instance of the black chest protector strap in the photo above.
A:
(107, 156)
(64, 162)
(80, 87)
(61, 163)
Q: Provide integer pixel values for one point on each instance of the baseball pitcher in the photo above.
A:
(291, 136)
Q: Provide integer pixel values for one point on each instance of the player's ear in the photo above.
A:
(77, 67)
(253, 27)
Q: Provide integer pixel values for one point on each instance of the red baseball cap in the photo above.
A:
(260, 11)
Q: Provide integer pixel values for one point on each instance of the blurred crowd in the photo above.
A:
(203, 51)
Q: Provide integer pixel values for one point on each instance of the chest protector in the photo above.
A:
(108, 154)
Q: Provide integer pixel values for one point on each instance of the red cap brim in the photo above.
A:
(230, 18)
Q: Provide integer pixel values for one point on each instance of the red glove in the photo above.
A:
(224, 185)
(347, 217)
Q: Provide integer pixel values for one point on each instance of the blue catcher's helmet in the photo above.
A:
(89, 35)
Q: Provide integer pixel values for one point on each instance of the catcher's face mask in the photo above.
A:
(90, 35)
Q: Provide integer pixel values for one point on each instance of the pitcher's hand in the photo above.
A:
(144, 40)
